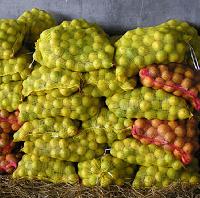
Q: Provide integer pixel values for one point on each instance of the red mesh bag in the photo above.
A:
(9, 123)
(175, 78)
(179, 137)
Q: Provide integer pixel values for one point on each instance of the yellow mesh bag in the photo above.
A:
(140, 47)
(45, 79)
(44, 168)
(105, 171)
(161, 177)
(106, 82)
(107, 127)
(61, 127)
(76, 106)
(12, 34)
(77, 49)
(10, 96)
(37, 21)
(134, 152)
(148, 103)
(77, 148)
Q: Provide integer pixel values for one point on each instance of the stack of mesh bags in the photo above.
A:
(165, 132)
(55, 106)
(15, 62)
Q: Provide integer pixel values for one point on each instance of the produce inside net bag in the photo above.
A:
(16, 68)
(134, 152)
(76, 45)
(105, 171)
(11, 96)
(148, 103)
(165, 43)
(36, 21)
(44, 80)
(107, 127)
(160, 177)
(12, 34)
(78, 148)
(180, 137)
(106, 82)
(61, 127)
(76, 106)
(176, 78)
(44, 168)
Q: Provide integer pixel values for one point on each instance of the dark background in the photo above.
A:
(116, 16)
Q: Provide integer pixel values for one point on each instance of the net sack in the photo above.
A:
(77, 49)
(75, 149)
(9, 122)
(10, 96)
(12, 34)
(76, 106)
(8, 163)
(134, 152)
(148, 103)
(105, 171)
(16, 68)
(44, 168)
(174, 78)
(107, 127)
(179, 137)
(160, 44)
(91, 90)
(105, 80)
(161, 177)
(58, 127)
(45, 79)
(36, 21)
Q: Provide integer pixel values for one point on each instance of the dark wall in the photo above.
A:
(115, 16)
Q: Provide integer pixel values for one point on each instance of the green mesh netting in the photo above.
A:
(77, 49)
(134, 152)
(105, 171)
(148, 103)
(77, 148)
(37, 21)
(61, 127)
(44, 168)
(160, 177)
(107, 127)
(45, 79)
(76, 106)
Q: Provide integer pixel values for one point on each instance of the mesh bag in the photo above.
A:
(179, 137)
(12, 34)
(108, 127)
(8, 163)
(75, 106)
(175, 78)
(6, 143)
(144, 46)
(43, 168)
(148, 103)
(91, 90)
(75, 149)
(77, 49)
(105, 80)
(10, 95)
(134, 152)
(160, 177)
(105, 171)
(46, 79)
(9, 122)
(16, 68)
(61, 127)
(37, 21)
